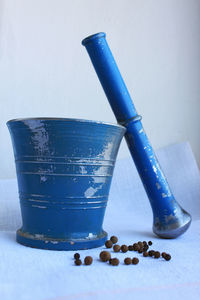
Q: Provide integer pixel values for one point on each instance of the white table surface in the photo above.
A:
(27, 273)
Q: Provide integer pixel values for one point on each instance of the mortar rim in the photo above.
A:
(67, 120)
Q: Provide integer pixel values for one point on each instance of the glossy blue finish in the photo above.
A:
(170, 220)
(64, 171)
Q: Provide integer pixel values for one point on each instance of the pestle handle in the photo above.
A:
(110, 77)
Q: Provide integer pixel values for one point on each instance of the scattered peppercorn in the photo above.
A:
(151, 252)
(140, 250)
(105, 256)
(136, 247)
(130, 248)
(146, 247)
(124, 248)
(135, 261)
(114, 239)
(88, 260)
(163, 254)
(76, 255)
(110, 261)
(108, 244)
(78, 262)
(150, 243)
(140, 244)
(115, 262)
(116, 248)
(128, 261)
(156, 254)
(167, 257)
(144, 243)
(145, 254)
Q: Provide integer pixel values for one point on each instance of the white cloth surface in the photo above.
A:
(27, 273)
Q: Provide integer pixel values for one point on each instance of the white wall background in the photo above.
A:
(44, 70)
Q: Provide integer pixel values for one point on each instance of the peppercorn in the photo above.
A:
(144, 243)
(114, 239)
(105, 256)
(140, 244)
(163, 254)
(156, 254)
(136, 247)
(145, 254)
(150, 243)
(108, 244)
(110, 261)
(151, 252)
(124, 248)
(116, 248)
(167, 257)
(115, 262)
(78, 262)
(135, 261)
(76, 255)
(88, 260)
(140, 250)
(130, 248)
(146, 247)
(128, 261)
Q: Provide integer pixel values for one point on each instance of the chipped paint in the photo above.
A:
(38, 206)
(54, 242)
(83, 170)
(107, 150)
(90, 192)
(39, 236)
(158, 186)
(155, 169)
(91, 236)
(43, 178)
(164, 195)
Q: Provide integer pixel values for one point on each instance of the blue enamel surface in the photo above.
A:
(170, 220)
(110, 77)
(64, 171)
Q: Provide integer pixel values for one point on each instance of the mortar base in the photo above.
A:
(41, 242)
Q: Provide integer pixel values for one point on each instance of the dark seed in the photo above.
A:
(144, 243)
(145, 254)
(105, 256)
(140, 244)
(114, 239)
(156, 254)
(124, 248)
(76, 255)
(78, 262)
(116, 248)
(146, 247)
(136, 247)
(163, 254)
(135, 261)
(110, 261)
(108, 244)
(130, 248)
(140, 250)
(88, 260)
(151, 252)
(128, 261)
(167, 257)
(115, 262)
(150, 243)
